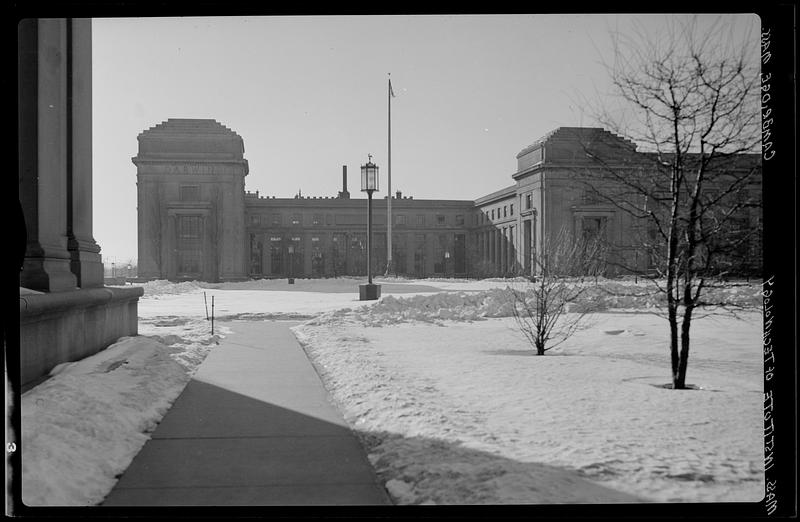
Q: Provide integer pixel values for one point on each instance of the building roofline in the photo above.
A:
(498, 194)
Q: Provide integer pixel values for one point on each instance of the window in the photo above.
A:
(189, 261)
(400, 219)
(254, 219)
(420, 238)
(189, 227)
(528, 201)
(421, 220)
(189, 251)
(590, 197)
(459, 219)
(440, 219)
(492, 214)
(505, 211)
(297, 219)
(512, 209)
(276, 219)
(317, 219)
(189, 192)
(593, 227)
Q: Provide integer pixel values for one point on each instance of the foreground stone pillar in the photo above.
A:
(60, 322)
(43, 156)
(84, 251)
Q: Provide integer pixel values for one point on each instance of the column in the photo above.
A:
(42, 138)
(496, 248)
(512, 251)
(84, 251)
(502, 251)
(169, 268)
(490, 245)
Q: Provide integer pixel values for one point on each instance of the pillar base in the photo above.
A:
(46, 274)
(369, 292)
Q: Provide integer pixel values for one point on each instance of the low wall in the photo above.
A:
(68, 326)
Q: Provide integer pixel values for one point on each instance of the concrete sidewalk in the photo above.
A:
(254, 427)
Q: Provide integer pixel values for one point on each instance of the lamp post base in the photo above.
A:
(369, 292)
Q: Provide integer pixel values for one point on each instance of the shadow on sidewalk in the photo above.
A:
(217, 447)
(249, 457)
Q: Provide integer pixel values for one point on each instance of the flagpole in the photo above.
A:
(389, 199)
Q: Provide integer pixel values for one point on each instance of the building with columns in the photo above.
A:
(197, 221)
(65, 311)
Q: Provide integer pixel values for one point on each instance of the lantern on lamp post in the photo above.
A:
(446, 258)
(369, 184)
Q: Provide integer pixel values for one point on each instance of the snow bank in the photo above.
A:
(605, 295)
(161, 287)
(460, 306)
(82, 427)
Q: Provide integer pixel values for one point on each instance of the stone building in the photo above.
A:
(191, 212)
(196, 221)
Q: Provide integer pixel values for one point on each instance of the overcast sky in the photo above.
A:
(309, 94)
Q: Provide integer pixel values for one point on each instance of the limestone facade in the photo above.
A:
(246, 235)
(191, 213)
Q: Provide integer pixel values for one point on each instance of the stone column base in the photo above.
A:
(47, 274)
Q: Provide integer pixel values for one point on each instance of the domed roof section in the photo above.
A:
(190, 139)
(577, 145)
(586, 136)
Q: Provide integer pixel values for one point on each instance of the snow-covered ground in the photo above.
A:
(450, 402)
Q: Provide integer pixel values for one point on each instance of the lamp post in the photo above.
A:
(113, 270)
(291, 263)
(446, 257)
(128, 274)
(369, 184)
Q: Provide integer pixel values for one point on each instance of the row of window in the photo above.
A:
(318, 219)
(500, 212)
(496, 213)
(443, 239)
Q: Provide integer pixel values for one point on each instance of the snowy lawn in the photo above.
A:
(593, 406)
(443, 390)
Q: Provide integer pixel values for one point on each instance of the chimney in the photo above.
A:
(344, 194)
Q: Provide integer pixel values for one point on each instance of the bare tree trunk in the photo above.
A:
(673, 341)
(672, 269)
(680, 382)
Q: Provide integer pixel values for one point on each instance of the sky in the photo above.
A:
(310, 94)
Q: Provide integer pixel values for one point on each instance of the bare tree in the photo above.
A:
(544, 308)
(689, 99)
